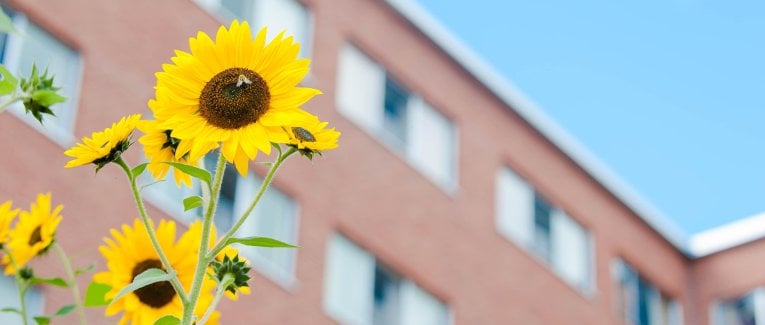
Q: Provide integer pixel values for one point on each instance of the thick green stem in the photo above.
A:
(22, 285)
(204, 244)
(72, 282)
(266, 182)
(228, 278)
(174, 281)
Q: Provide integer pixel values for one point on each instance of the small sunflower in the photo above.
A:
(6, 217)
(160, 147)
(237, 91)
(129, 253)
(33, 233)
(105, 146)
(242, 288)
(313, 137)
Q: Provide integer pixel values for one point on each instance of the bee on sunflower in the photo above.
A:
(238, 91)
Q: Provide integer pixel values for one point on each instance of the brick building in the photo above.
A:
(452, 199)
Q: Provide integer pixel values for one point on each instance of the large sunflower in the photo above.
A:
(105, 146)
(33, 233)
(160, 147)
(6, 217)
(129, 253)
(237, 90)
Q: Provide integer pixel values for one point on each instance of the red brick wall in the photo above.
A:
(446, 242)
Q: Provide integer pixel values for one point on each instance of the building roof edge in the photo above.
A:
(529, 111)
(728, 236)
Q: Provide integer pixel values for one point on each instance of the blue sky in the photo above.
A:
(669, 94)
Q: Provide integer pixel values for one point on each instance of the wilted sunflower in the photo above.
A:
(105, 146)
(313, 136)
(129, 253)
(160, 147)
(6, 217)
(33, 233)
(191, 237)
(236, 90)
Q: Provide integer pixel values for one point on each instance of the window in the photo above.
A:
(275, 216)
(278, 15)
(371, 98)
(38, 47)
(639, 302)
(526, 218)
(9, 297)
(746, 310)
(360, 290)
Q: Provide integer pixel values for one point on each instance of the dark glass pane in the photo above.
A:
(542, 227)
(394, 117)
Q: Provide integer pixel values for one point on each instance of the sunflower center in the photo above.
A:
(36, 236)
(234, 98)
(303, 134)
(157, 294)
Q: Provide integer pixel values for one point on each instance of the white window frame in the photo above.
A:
(659, 304)
(61, 134)
(366, 265)
(365, 107)
(245, 192)
(216, 8)
(514, 217)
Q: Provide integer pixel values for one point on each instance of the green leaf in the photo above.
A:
(10, 310)
(47, 97)
(191, 202)
(148, 277)
(59, 282)
(193, 171)
(87, 269)
(42, 320)
(65, 310)
(9, 82)
(259, 241)
(6, 24)
(167, 320)
(95, 295)
(138, 170)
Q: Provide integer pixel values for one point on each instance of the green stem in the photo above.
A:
(72, 282)
(4, 105)
(21, 284)
(218, 294)
(204, 244)
(266, 182)
(174, 281)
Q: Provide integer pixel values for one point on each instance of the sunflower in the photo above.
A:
(160, 147)
(6, 217)
(129, 253)
(105, 146)
(33, 233)
(195, 232)
(237, 90)
(242, 287)
(313, 136)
